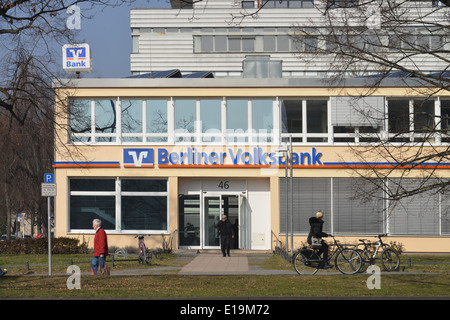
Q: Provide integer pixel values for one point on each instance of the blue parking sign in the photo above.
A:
(48, 177)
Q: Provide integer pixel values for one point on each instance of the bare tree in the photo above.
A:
(377, 40)
(29, 33)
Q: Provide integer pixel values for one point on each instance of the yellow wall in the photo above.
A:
(66, 152)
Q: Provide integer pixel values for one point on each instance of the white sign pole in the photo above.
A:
(49, 238)
(49, 190)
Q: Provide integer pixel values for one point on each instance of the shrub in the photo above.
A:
(40, 246)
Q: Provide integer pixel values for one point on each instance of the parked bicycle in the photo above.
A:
(144, 255)
(390, 259)
(346, 260)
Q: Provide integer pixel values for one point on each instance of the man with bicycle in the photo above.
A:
(316, 224)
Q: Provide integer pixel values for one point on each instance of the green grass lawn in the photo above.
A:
(426, 283)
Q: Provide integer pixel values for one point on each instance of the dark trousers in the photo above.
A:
(225, 244)
(324, 250)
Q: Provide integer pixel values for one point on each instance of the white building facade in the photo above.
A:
(218, 35)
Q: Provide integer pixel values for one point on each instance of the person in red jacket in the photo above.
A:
(100, 246)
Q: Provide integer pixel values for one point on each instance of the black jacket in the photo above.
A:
(316, 229)
(225, 228)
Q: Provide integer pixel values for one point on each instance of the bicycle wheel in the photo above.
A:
(301, 265)
(365, 262)
(348, 261)
(390, 260)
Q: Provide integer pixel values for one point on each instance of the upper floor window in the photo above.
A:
(305, 120)
(342, 3)
(237, 120)
(288, 3)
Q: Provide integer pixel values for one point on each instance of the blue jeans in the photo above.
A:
(95, 262)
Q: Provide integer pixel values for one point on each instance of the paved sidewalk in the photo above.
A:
(215, 263)
(239, 263)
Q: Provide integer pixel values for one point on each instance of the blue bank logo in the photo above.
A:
(77, 57)
(137, 158)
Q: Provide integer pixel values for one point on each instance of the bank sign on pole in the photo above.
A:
(77, 58)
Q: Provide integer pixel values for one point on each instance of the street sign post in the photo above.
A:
(48, 189)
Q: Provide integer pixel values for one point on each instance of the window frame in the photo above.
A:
(118, 194)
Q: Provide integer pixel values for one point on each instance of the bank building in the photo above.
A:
(221, 118)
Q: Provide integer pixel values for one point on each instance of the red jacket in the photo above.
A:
(100, 243)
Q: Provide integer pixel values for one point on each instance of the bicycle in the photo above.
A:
(346, 260)
(144, 255)
(390, 259)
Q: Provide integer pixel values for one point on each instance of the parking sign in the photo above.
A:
(48, 178)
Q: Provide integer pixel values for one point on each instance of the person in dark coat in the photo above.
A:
(226, 233)
(316, 224)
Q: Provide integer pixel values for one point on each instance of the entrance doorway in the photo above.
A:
(199, 215)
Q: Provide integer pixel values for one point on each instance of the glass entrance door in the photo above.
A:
(214, 208)
(198, 218)
(212, 215)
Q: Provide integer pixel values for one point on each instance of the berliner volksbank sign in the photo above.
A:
(194, 156)
(77, 58)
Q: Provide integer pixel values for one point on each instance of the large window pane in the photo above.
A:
(143, 185)
(417, 214)
(237, 115)
(423, 115)
(131, 116)
(291, 115)
(210, 115)
(105, 116)
(84, 209)
(189, 220)
(156, 116)
(310, 195)
(398, 114)
(144, 213)
(80, 116)
(358, 206)
(92, 185)
(234, 44)
(185, 116)
(317, 116)
(262, 116)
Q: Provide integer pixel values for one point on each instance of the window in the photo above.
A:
(185, 120)
(398, 120)
(353, 210)
(132, 120)
(317, 120)
(139, 204)
(211, 120)
(156, 120)
(342, 3)
(411, 120)
(248, 4)
(418, 214)
(305, 120)
(445, 120)
(105, 120)
(356, 119)
(288, 4)
(92, 199)
(144, 204)
(237, 120)
(310, 195)
(80, 120)
(262, 120)
(93, 120)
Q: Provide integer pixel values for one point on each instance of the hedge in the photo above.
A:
(40, 246)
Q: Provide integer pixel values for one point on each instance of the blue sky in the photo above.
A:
(108, 33)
